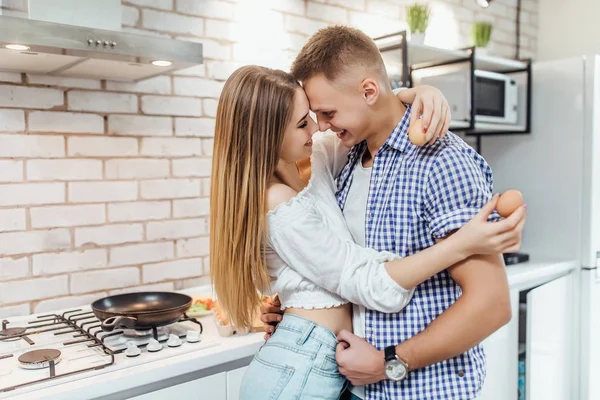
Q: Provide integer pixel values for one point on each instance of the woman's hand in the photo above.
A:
(431, 103)
(479, 236)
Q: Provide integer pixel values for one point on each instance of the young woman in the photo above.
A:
(301, 248)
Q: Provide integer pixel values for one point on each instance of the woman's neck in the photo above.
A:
(289, 175)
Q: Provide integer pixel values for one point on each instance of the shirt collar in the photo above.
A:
(398, 139)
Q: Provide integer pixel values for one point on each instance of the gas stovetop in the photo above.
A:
(50, 349)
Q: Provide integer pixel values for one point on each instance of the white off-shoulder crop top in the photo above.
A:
(311, 258)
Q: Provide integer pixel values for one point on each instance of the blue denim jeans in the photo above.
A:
(297, 362)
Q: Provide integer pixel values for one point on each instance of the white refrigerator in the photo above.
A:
(557, 167)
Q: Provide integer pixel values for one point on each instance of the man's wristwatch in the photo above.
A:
(395, 368)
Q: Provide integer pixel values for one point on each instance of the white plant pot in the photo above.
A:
(417, 38)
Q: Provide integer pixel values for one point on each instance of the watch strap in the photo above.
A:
(390, 353)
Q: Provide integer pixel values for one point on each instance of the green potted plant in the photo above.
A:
(482, 31)
(417, 17)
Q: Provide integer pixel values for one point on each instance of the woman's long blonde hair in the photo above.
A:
(254, 110)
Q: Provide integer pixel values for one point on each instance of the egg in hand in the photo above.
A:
(416, 134)
(508, 202)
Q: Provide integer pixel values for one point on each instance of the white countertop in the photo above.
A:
(538, 270)
(228, 349)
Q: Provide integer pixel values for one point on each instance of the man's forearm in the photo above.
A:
(479, 312)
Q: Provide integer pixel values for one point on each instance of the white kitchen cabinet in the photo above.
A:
(502, 358)
(547, 346)
(550, 343)
(213, 387)
(234, 381)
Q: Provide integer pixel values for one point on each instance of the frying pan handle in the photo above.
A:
(111, 323)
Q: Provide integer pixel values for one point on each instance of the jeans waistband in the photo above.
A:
(306, 328)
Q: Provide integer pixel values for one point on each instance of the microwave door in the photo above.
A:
(494, 100)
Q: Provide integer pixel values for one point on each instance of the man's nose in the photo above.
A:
(323, 125)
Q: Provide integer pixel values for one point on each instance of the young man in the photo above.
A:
(402, 198)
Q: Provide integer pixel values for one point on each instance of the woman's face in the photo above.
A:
(297, 140)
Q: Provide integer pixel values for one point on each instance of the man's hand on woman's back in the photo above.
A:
(271, 315)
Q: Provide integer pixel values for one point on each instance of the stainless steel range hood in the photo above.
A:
(68, 50)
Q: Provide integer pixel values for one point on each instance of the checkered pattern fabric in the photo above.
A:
(418, 194)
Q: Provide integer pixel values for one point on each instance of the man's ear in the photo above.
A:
(370, 90)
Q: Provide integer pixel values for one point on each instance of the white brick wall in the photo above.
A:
(139, 211)
(12, 121)
(66, 302)
(65, 169)
(31, 193)
(102, 146)
(102, 102)
(193, 247)
(12, 220)
(102, 191)
(141, 253)
(11, 171)
(43, 121)
(104, 185)
(56, 263)
(29, 97)
(91, 281)
(64, 82)
(195, 86)
(161, 105)
(14, 268)
(171, 147)
(172, 270)
(175, 229)
(169, 22)
(193, 167)
(136, 125)
(170, 188)
(137, 168)
(109, 234)
(201, 127)
(31, 146)
(156, 85)
(33, 289)
(190, 207)
(34, 242)
(206, 8)
(63, 216)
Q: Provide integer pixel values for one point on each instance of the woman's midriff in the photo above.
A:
(335, 319)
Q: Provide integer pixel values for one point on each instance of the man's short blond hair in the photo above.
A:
(334, 50)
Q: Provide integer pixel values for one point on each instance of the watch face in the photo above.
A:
(395, 370)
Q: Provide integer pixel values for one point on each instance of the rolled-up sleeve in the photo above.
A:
(459, 184)
(303, 240)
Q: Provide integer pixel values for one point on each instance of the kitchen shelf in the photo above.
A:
(490, 128)
(403, 58)
(498, 64)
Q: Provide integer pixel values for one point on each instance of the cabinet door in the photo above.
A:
(234, 381)
(501, 352)
(213, 387)
(550, 343)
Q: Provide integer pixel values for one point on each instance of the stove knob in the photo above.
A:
(174, 341)
(132, 350)
(193, 336)
(154, 345)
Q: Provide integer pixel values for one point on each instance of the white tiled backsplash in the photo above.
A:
(104, 185)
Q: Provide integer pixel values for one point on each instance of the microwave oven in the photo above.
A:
(496, 95)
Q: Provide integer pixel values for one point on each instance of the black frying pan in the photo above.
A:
(142, 310)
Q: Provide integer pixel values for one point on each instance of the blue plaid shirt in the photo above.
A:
(418, 194)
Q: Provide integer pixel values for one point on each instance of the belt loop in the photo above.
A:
(306, 334)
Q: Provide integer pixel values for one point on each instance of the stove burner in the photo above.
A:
(16, 331)
(134, 333)
(38, 359)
